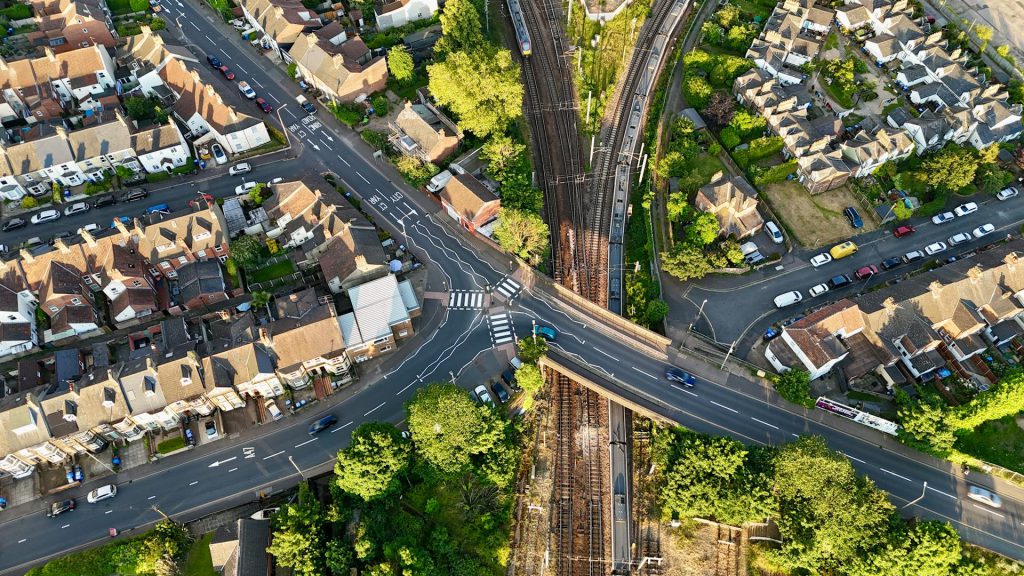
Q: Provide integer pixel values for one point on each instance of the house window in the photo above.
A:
(54, 309)
(136, 284)
(56, 42)
(76, 301)
(385, 348)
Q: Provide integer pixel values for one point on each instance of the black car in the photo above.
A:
(500, 392)
(137, 194)
(14, 224)
(853, 216)
(509, 378)
(839, 281)
(308, 107)
(58, 508)
(322, 424)
(105, 200)
(890, 263)
(213, 60)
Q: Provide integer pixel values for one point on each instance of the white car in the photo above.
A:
(1007, 193)
(482, 394)
(277, 180)
(90, 228)
(821, 259)
(246, 90)
(240, 168)
(984, 496)
(272, 409)
(933, 249)
(76, 208)
(788, 299)
(959, 238)
(943, 218)
(264, 514)
(983, 230)
(218, 153)
(965, 209)
(45, 216)
(101, 493)
(244, 188)
(817, 290)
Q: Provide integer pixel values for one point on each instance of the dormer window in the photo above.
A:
(54, 309)
(76, 301)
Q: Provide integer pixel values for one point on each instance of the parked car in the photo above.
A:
(965, 209)
(545, 332)
(213, 60)
(773, 232)
(984, 496)
(58, 508)
(218, 153)
(104, 200)
(817, 290)
(483, 396)
(821, 259)
(853, 216)
(839, 281)
(227, 72)
(516, 364)
(45, 216)
(500, 392)
(959, 238)
(154, 5)
(890, 263)
(76, 208)
(211, 429)
(322, 424)
(159, 209)
(244, 188)
(135, 195)
(905, 230)
(1007, 193)
(788, 299)
(943, 218)
(14, 224)
(90, 228)
(246, 90)
(264, 105)
(673, 374)
(983, 230)
(912, 255)
(240, 168)
(866, 272)
(934, 248)
(101, 493)
(843, 250)
(306, 104)
(264, 514)
(272, 409)
(509, 376)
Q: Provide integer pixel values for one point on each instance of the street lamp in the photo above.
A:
(699, 312)
(297, 469)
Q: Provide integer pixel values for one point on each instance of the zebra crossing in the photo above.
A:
(508, 287)
(466, 300)
(501, 328)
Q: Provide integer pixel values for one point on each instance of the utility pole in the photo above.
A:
(727, 354)
(919, 498)
(592, 138)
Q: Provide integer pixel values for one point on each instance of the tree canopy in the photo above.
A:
(371, 464)
(950, 169)
(460, 28)
(449, 444)
(400, 63)
(481, 87)
(299, 541)
(524, 234)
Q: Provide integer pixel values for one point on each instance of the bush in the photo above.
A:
(414, 171)
(347, 114)
(17, 12)
(763, 177)
(795, 386)
(730, 139)
(380, 105)
(29, 203)
(376, 140)
(139, 5)
(157, 23)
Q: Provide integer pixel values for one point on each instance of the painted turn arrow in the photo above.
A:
(219, 462)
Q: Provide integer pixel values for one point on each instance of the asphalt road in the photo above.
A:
(236, 469)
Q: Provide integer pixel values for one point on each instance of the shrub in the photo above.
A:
(380, 105)
(29, 203)
(377, 140)
(415, 172)
(347, 113)
(795, 386)
(763, 177)
(17, 12)
(139, 5)
(157, 23)
(730, 139)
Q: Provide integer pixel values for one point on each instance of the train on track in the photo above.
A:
(519, 23)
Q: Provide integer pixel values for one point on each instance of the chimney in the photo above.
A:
(150, 365)
(49, 54)
(145, 30)
(974, 274)
(3, 63)
(1011, 260)
(90, 240)
(27, 256)
(936, 289)
(59, 244)
(211, 92)
(139, 225)
(265, 337)
(121, 228)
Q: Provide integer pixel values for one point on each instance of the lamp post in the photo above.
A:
(699, 312)
(297, 469)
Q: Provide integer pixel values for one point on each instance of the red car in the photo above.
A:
(902, 231)
(264, 105)
(866, 272)
(227, 72)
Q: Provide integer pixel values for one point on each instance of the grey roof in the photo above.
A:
(67, 364)
(200, 278)
(253, 539)
(174, 331)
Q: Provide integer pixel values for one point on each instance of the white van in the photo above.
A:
(788, 299)
(439, 181)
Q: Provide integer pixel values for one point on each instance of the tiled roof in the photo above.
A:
(466, 195)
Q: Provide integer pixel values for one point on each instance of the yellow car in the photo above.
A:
(843, 250)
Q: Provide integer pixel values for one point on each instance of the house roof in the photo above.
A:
(200, 278)
(142, 389)
(424, 126)
(331, 63)
(733, 202)
(376, 305)
(179, 374)
(355, 248)
(282, 20)
(101, 139)
(236, 366)
(156, 138)
(466, 195)
(252, 556)
(190, 234)
(295, 341)
(195, 97)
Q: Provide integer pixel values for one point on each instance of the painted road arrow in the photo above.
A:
(219, 462)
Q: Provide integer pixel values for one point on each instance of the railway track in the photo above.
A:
(591, 530)
(564, 478)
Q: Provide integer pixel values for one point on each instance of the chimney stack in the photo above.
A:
(49, 54)
(27, 256)
(90, 240)
(59, 244)
(121, 228)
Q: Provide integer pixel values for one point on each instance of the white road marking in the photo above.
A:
(342, 427)
(65, 526)
(363, 177)
(210, 39)
(239, 66)
(605, 353)
(345, 161)
(301, 444)
(724, 406)
(895, 474)
(194, 25)
(946, 494)
(233, 469)
(23, 540)
(193, 483)
(399, 393)
(681, 389)
(108, 511)
(324, 143)
(644, 373)
(276, 100)
(151, 497)
(274, 454)
(765, 423)
(375, 409)
(982, 508)
(257, 82)
(852, 458)
(290, 113)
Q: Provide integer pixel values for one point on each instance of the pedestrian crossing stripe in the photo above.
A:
(508, 287)
(502, 330)
(466, 300)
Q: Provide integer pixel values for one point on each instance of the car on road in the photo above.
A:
(943, 218)
(983, 230)
(306, 104)
(45, 216)
(500, 392)
(135, 195)
(90, 228)
(905, 230)
(934, 248)
(673, 374)
(959, 238)
(984, 496)
(58, 508)
(102, 201)
(482, 395)
(817, 290)
(912, 256)
(1007, 193)
(101, 493)
(211, 429)
(246, 90)
(14, 224)
(843, 250)
(264, 105)
(821, 259)
(218, 153)
(213, 60)
(839, 281)
(227, 72)
(853, 216)
(773, 232)
(76, 208)
(890, 263)
(965, 209)
(240, 168)
(244, 188)
(546, 332)
(272, 409)
(322, 424)
(866, 272)
(788, 298)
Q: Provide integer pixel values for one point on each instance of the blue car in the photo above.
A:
(673, 374)
(854, 217)
(545, 332)
(322, 424)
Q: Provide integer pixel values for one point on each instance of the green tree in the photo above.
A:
(703, 230)
(293, 70)
(697, 91)
(140, 108)
(701, 472)
(165, 546)
(900, 210)
(523, 234)
(530, 379)
(55, 195)
(950, 169)
(685, 262)
(460, 29)
(373, 461)
(795, 385)
(482, 89)
(731, 249)
(256, 195)
(503, 155)
(532, 348)
(246, 251)
(1006, 398)
(927, 548)
(747, 125)
(298, 541)
(400, 63)
(984, 34)
(28, 203)
(991, 178)
(449, 429)
(260, 299)
(656, 311)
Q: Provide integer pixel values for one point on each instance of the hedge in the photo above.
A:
(17, 12)
(778, 173)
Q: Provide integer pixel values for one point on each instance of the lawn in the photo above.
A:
(199, 562)
(272, 272)
(815, 220)
(997, 441)
(841, 97)
(170, 445)
(119, 7)
(707, 165)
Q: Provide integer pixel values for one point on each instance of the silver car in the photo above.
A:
(935, 248)
(959, 238)
(45, 216)
(984, 496)
(76, 208)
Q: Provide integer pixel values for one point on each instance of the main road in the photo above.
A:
(276, 456)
